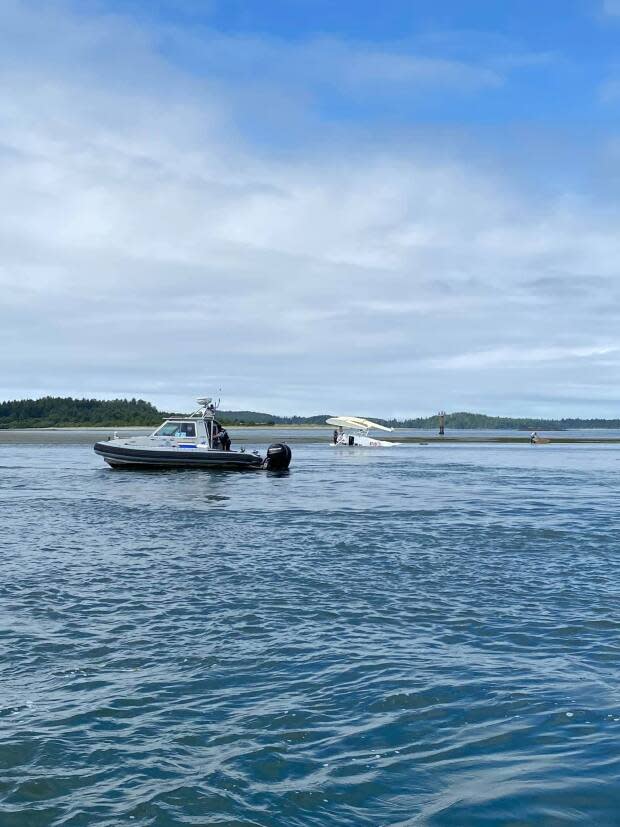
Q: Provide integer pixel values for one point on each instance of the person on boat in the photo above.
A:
(533, 438)
(224, 440)
(335, 436)
(215, 434)
(221, 439)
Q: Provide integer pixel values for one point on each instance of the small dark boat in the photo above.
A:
(194, 441)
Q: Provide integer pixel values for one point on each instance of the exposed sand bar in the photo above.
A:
(516, 440)
(46, 436)
(265, 435)
(88, 436)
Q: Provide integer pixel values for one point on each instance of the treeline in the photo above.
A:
(57, 411)
(256, 418)
(461, 420)
(465, 420)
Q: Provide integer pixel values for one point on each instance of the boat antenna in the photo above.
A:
(206, 406)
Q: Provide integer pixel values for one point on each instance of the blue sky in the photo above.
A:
(545, 61)
(350, 207)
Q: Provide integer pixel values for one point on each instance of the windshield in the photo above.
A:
(179, 429)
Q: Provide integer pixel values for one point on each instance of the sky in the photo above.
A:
(305, 206)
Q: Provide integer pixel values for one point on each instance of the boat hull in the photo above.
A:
(124, 456)
(360, 441)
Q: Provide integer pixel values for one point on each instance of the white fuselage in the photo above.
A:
(361, 440)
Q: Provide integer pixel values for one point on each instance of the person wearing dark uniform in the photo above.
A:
(221, 439)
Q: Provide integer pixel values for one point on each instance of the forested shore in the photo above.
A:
(59, 412)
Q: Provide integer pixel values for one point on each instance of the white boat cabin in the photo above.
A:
(199, 428)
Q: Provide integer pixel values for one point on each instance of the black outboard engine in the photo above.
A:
(278, 457)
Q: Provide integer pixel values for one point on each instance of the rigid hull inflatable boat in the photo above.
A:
(194, 441)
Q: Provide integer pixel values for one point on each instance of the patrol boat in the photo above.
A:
(194, 441)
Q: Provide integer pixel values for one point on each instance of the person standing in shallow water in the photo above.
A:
(335, 436)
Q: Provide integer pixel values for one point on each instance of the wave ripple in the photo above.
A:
(381, 638)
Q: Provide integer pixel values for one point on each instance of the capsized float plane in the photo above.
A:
(360, 437)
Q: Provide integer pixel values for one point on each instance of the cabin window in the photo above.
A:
(179, 429)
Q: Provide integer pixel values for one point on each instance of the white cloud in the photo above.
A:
(508, 357)
(347, 66)
(611, 7)
(153, 245)
(609, 90)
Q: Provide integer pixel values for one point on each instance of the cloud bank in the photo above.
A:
(183, 213)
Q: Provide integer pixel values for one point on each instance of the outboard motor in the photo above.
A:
(278, 457)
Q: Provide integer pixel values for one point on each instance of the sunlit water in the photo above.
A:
(416, 635)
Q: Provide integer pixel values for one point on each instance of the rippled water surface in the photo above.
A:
(414, 635)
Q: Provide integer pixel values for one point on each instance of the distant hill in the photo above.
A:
(57, 411)
(461, 420)
(467, 420)
(255, 418)
(65, 412)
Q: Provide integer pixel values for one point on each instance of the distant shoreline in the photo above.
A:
(53, 413)
(80, 427)
(302, 427)
(298, 434)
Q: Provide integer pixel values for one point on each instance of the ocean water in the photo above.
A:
(405, 636)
